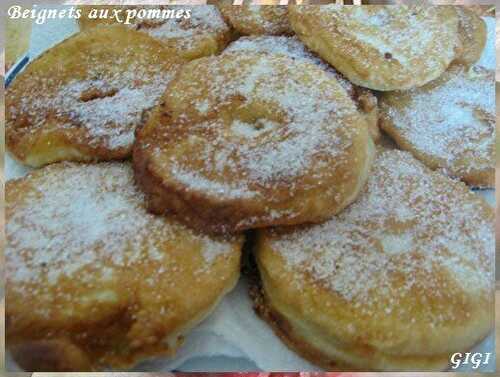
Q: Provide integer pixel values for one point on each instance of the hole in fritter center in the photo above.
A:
(252, 129)
(251, 118)
(95, 93)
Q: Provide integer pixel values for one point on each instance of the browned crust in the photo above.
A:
(210, 214)
(54, 142)
(475, 178)
(284, 330)
(197, 211)
(482, 178)
(349, 56)
(37, 146)
(61, 355)
(24, 144)
(87, 349)
(50, 355)
(93, 323)
(218, 213)
(244, 23)
(210, 43)
(367, 104)
(192, 209)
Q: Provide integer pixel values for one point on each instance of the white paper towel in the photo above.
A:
(233, 337)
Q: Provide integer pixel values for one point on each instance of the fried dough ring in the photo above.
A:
(93, 280)
(380, 47)
(203, 33)
(400, 280)
(249, 19)
(448, 123)
(365, 100)
(82, 99)
(251, 140)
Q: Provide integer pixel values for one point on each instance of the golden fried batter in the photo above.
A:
(82, 99)
(400, 280)
(381, 47)
(93, 280)
(249, 19)
(195, 31)
(448, 123)
(243, 140)
(365, 100)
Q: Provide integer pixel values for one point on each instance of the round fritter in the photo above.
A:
(448, 123)
(249, 19)
(191, 31)
(381, 47)
(365, 100)
(400, 280)
(82, 99)
(95, 281)
(243, 140)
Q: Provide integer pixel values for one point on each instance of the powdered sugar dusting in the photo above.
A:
(204, 19)
(210, 187)
(287, 121)
(102, 115)
(406, 45)
(75, 217)
(450, 119)
(288, 46)
(257, 19)
(410, 229)
(103, 109)
(382, 31)
(273, 24)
